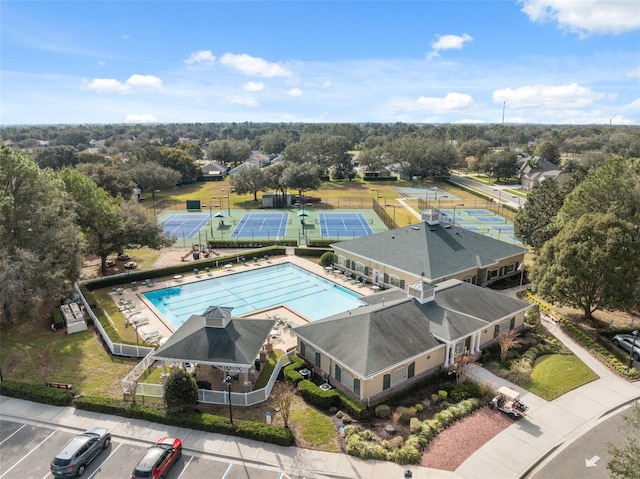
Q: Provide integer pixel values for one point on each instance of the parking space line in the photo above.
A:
(185, 467)
(227, 472)
(11, 435)
(108, 457)
(27, 454)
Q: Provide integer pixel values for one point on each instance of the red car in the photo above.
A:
(158, 459)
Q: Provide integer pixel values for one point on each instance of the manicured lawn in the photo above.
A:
(77, 359)
(316, 429)
(555, 374)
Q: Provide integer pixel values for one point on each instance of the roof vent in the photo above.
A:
(432, 229)
(447, 226)
(415, 228)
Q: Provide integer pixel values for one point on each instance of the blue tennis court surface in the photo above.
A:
(490, 219)
(336, 225)
(272, 225)
(472, 228)
(185, 226)
(502, 227)
(478, 212)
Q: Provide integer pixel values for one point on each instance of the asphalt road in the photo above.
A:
(586, 457)
(26, 451)
(505, 197)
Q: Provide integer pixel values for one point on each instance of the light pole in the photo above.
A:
(228, 203)
(454, 212)
(635, 334)
(153, 200)
(435, 189)
(394, 213)
(211, 218)
(377, 193)
(385, 200)
(228, 380)
(499, 198)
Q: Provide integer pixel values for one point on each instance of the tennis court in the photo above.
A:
(335, 225)
(478, 212)
(268, 225)
(185, 225)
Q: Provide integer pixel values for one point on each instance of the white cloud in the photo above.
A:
(585, 16)
(202, 57)
(146, 81)
(634, 73)
(140, 119)
(106, 85)
(111, 85)
(254, 66)
(102, 64)
(547, 96)
(452, 102)
(243, 100)
(295, 92)
(326, 84)
(448, 42)
(253, 86)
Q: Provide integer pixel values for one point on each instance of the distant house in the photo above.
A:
(257, 159)
(534, 170)
(214, 171)
(97, 143)
(372, 351)
(429, 250)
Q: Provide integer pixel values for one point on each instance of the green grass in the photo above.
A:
(555, 374)
(77, 359)
(267, 369)
(318, 431)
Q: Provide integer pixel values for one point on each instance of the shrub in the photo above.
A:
(419, 407)
(519, 373)
(404, 414)
(442, 395)
(180, 391)
(36, 392)
(414, 425)
(327, 258)
(409, 454)
(383, 411)
(316, 396)
(365, 450)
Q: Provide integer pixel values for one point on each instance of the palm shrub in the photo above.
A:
(519, 372)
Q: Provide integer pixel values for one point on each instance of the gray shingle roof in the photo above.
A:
(371, 339)
(432, 251)
(239, 342)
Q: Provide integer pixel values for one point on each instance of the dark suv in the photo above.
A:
(158, 459)
(74, 457)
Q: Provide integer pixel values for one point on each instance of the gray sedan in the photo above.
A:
(626, 342)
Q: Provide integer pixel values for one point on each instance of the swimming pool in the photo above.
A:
(252, 290)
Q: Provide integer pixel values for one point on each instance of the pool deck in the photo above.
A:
(284, 339)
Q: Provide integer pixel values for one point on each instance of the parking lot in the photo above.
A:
(27, 450)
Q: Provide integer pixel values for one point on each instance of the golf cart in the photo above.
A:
(507, 401)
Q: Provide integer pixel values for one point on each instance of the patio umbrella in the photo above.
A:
(220, 214)
(303, 213)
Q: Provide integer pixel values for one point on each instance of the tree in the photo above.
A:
(614, 188)
(507, 339)
(150, 176)
(300, 177)
(460, 365)
(548, 151)
(40, 243)
(284, 394)
(372, 159)
(137, 227)
(249, 179)
(500, 164)
(591, 264)
(57, 157)
(112, 178)
(624, 458)
(180, 390)
(99, 214)
(534, 222)
(229, 152)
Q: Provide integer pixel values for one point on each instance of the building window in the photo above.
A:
(303, 347)
(467, 343)
(512, 323)
(411, 370)
(511, 268)
(394, 280)
(338, 373)
(318, 360)
(493, 273)
(496, 330)
(386, 382)
(356, 386)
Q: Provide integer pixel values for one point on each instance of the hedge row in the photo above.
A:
(316, 396)
(601, 353)
(36, 392)
(358, 444)
(191, 420)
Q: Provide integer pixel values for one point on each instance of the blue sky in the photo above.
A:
(539, 61)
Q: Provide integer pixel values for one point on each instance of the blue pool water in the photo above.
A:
(252, 290)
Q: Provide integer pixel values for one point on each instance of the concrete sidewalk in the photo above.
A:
(548, 425)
